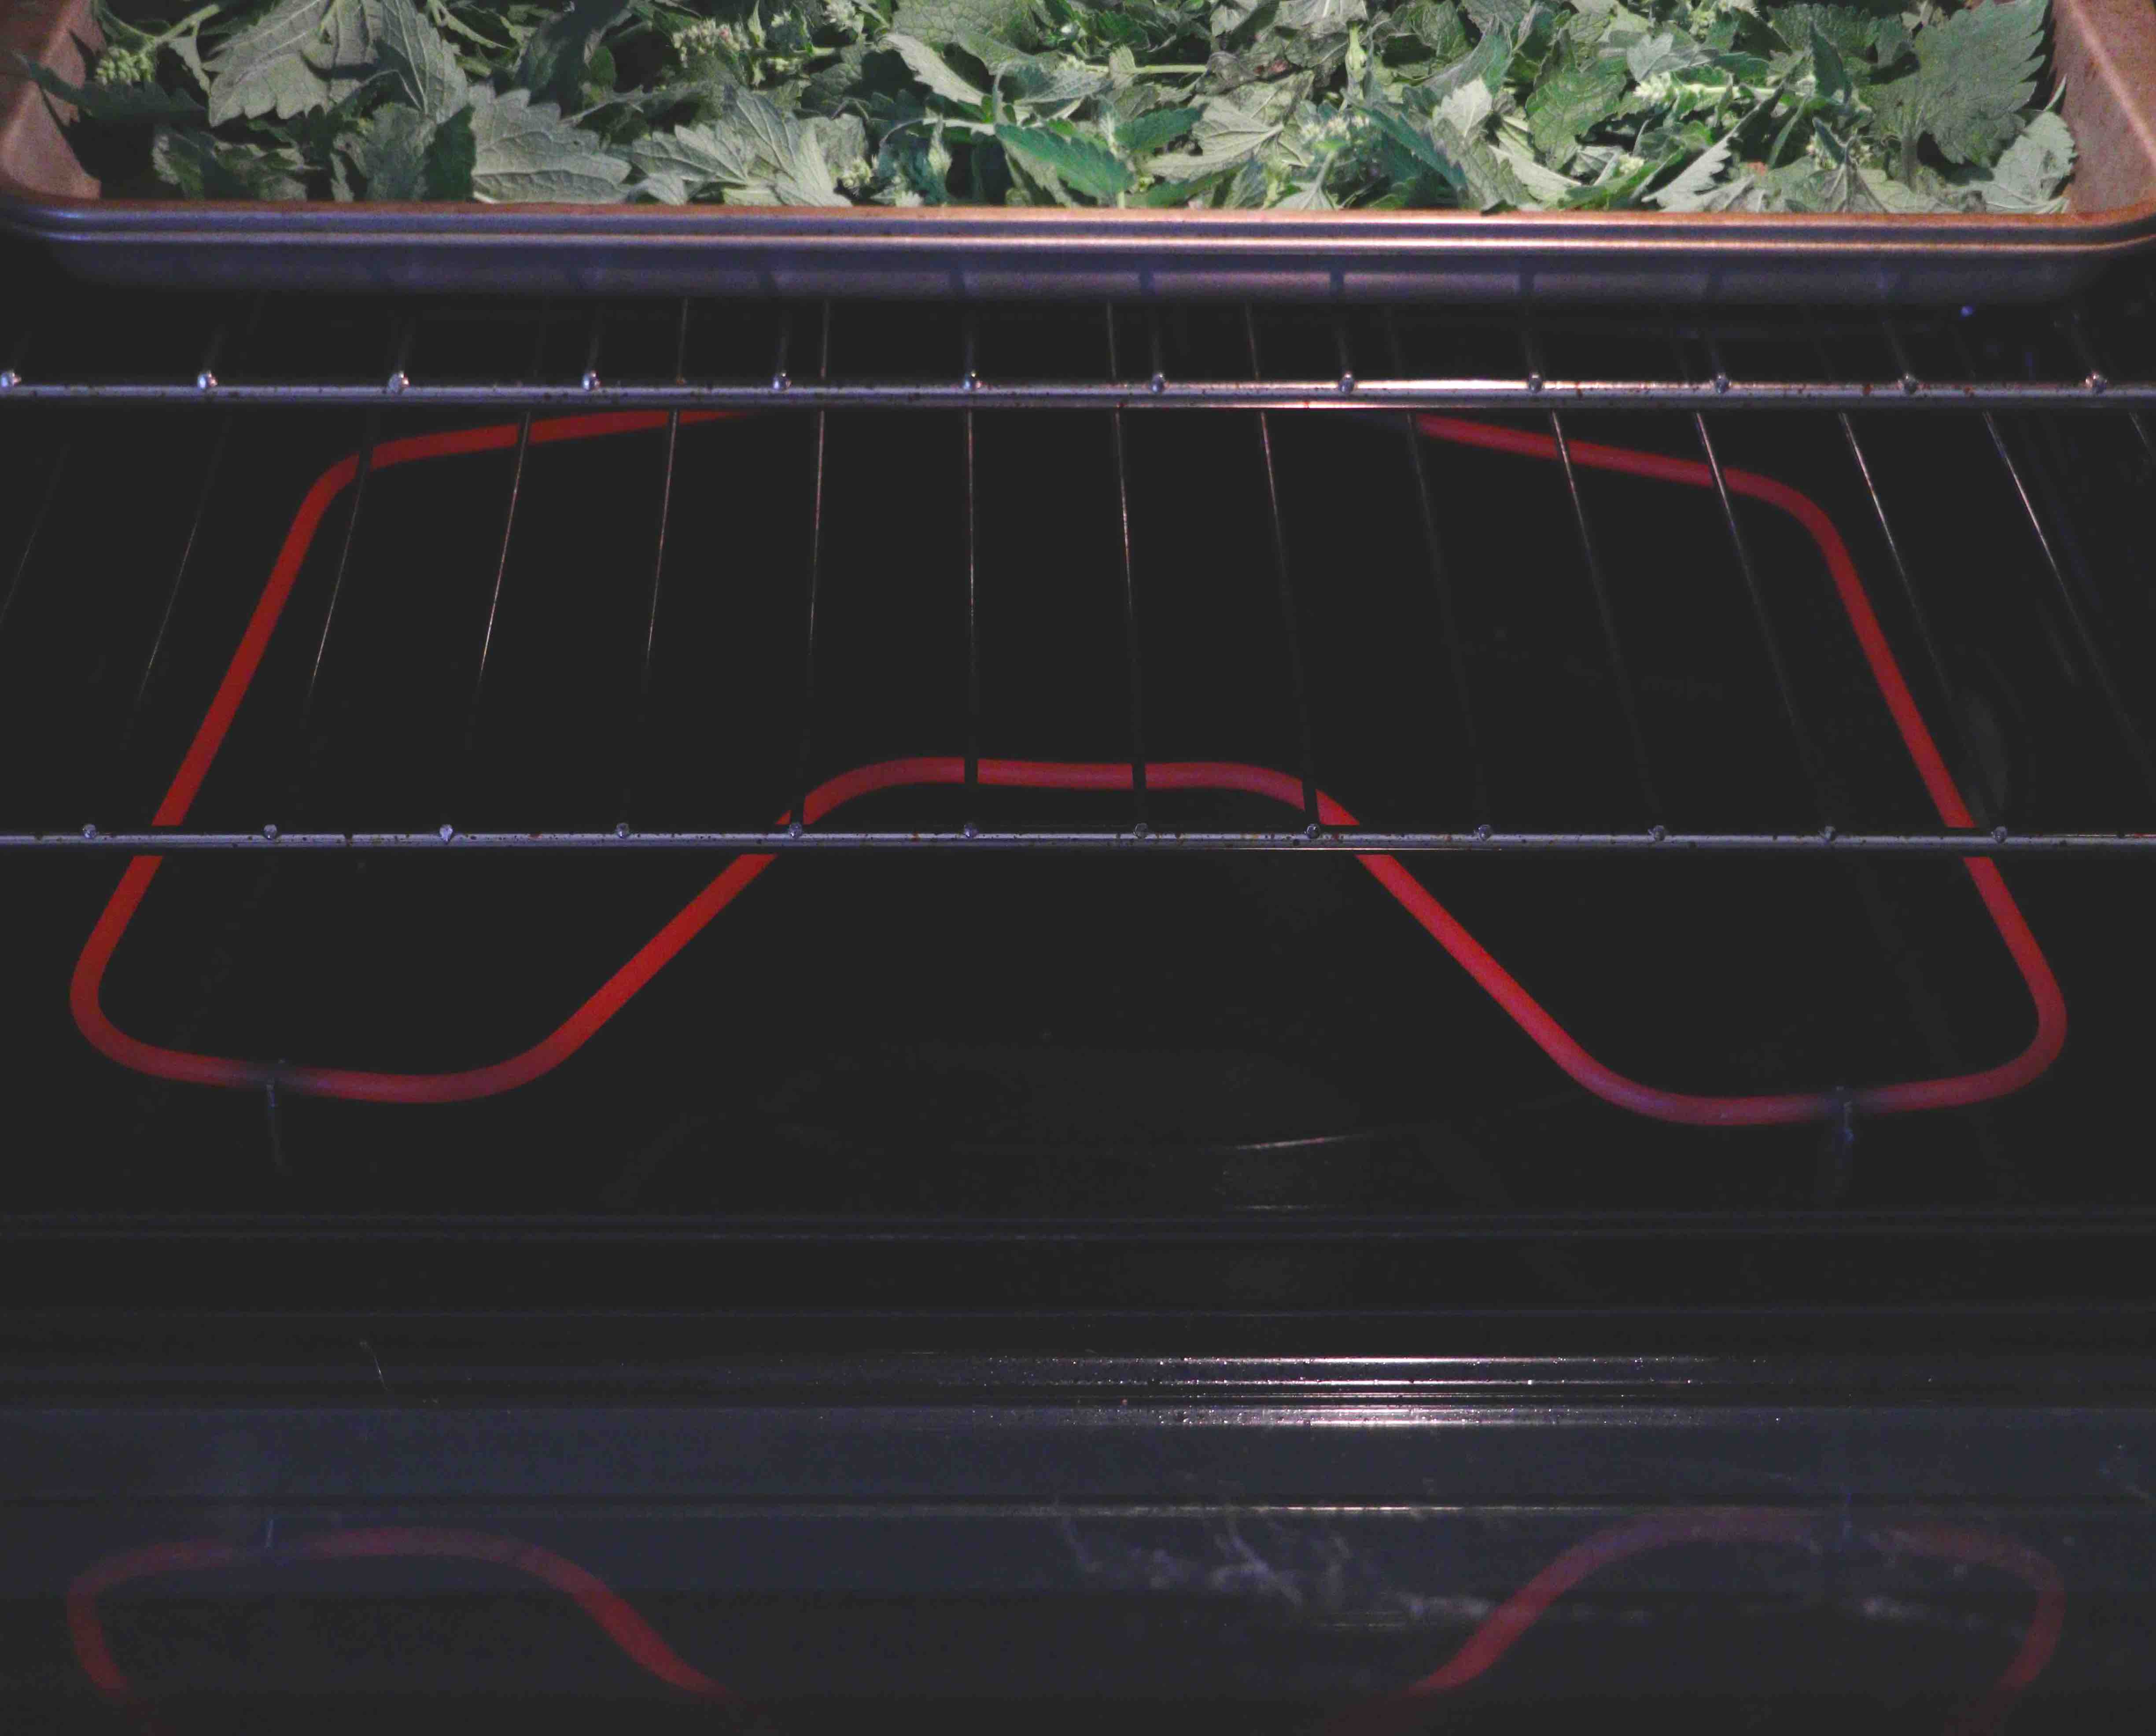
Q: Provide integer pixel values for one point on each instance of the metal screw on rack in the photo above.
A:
(205, 381)
(9, 379)
(397, 382)
(591, 380)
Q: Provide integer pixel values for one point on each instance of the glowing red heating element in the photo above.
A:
(1498, 1634)
(1509, 1623)
(1532, 1018)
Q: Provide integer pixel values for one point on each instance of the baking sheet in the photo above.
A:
(2105, 52)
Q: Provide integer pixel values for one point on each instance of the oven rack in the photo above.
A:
(54, 375)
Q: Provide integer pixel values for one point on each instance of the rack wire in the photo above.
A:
(2005, 408)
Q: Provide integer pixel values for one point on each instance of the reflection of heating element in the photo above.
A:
(1402, 1714)
(828, 797)
(608, 1611)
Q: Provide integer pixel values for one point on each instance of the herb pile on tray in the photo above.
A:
(1304, 105)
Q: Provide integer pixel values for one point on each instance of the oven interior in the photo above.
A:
(996, 1084)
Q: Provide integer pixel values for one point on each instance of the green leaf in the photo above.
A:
(1691, 189)
(344, 52)
(1320, 17)
(556, 54)
(1150, 132)
(389, 152)
(420, 56)
(680, 164)
(1566, 103)
(752, 151)
(931, 69)
(1976, 72)
(1543, 186)
(1657, 55)
(1420, 146)
(943, 21)
(1226, 133)
(524, 152)
(1165, 194)
(1436, 25)
(1830, 77)
(1083, 163)
(265, 69)
(202, 167)
(1500, 17)
(2031, 170)
(451, 159)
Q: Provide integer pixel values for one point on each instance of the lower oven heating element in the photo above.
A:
(832, 794)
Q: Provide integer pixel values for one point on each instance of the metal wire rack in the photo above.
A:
(53, 374)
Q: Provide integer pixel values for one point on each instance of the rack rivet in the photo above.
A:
(621, 828)
(1999, 834)
(591, 380)
(1534, 382)
(1721, 383)
(793, 829)
(1157, 383)
(781, 380)
(448, 832)
(1909, 385)
(9, 379)
(205, 381)
(397, 381)
(269, 832)
(972, 382)
(1482, 834)
(2098, 383)
(1141, 830)
(1659, 834)
(970, 830)
(89, 831)
(1346, 382)
(1827, 834)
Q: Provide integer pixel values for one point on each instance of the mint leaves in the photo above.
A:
(1313, 104)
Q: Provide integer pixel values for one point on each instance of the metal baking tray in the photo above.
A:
(2105, 54)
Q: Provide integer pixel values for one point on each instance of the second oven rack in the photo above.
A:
(46, 378)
